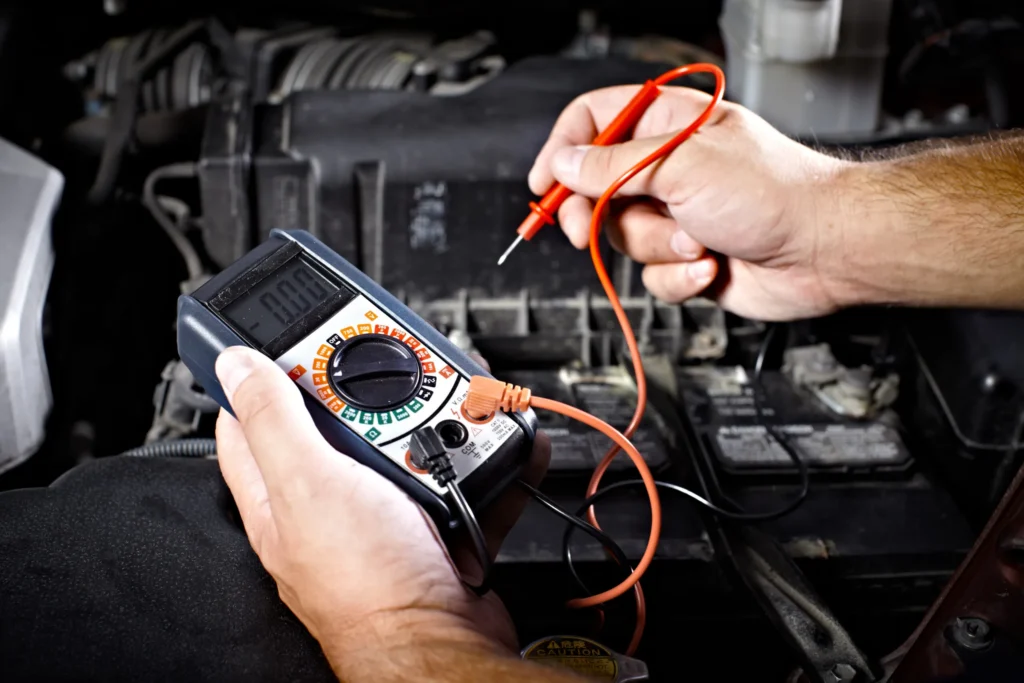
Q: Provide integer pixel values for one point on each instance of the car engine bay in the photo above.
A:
(144, 147)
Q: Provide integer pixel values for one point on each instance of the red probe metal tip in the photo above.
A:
(511, 248)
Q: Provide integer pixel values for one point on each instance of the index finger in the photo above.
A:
(590, 113)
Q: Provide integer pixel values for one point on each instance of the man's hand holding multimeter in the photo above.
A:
(369, 598)
(330, 379)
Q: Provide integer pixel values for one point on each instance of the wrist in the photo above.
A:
(857, 246)
(401, 645)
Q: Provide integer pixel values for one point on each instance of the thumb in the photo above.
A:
(589, 170)
(279, 430)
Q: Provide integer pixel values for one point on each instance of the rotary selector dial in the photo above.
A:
(374, 372)
(382, 383)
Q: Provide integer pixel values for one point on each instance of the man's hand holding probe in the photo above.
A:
(774, 230)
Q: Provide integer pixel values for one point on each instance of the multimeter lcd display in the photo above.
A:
(279, 300)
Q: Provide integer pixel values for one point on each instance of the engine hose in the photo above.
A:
(175, 448)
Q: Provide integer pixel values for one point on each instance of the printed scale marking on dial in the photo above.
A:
(383, 383)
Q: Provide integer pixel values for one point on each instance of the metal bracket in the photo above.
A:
(827, 652)
(980, 614)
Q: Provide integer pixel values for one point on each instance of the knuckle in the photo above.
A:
(582, 101)
(734, 117)
(677, 187)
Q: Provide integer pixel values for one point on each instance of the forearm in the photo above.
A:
(939, 227)
(428, 648)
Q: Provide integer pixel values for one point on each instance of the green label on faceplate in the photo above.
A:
(372, 434)
(350, 413)
(366, 419)
(384, 418)
(414, 405)
(401, 414)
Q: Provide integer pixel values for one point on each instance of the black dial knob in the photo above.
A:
(374, 372)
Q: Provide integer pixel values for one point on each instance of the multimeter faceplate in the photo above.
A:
(372, 371)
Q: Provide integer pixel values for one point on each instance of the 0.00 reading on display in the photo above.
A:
(279, 300)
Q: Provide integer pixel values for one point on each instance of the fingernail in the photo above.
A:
(232, 367)
(566, 162)
(682, 245)
(701, 271)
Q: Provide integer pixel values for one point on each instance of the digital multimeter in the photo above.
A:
(372, 372)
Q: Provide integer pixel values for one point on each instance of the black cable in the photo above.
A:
(604, 492)
(476, 535)
(578, 522)
(175, 448)
(757, 387)
(428, 452)
(745, 517)
(739, 514)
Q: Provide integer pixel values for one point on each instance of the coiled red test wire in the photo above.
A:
(641, 383)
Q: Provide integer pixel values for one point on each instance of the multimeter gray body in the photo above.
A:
(257, 302)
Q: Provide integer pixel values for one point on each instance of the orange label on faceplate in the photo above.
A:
(446, 372)
(370, 315)
(324, 351)
(428, 367)
(380, 329)
(363, 329)
(319, 378)
(335, 405)
(297, 372)
(348, 332)
(318, 364)
(325, 393)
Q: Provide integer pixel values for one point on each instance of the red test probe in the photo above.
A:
(487, 395)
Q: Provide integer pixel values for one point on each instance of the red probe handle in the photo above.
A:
(543, 213)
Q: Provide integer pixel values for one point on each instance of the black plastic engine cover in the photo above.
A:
(422, 192)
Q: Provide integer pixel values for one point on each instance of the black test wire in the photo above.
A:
(428, 449)
(577, 522)
(476, 535)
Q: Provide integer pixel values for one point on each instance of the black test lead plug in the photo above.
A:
(428, 452)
